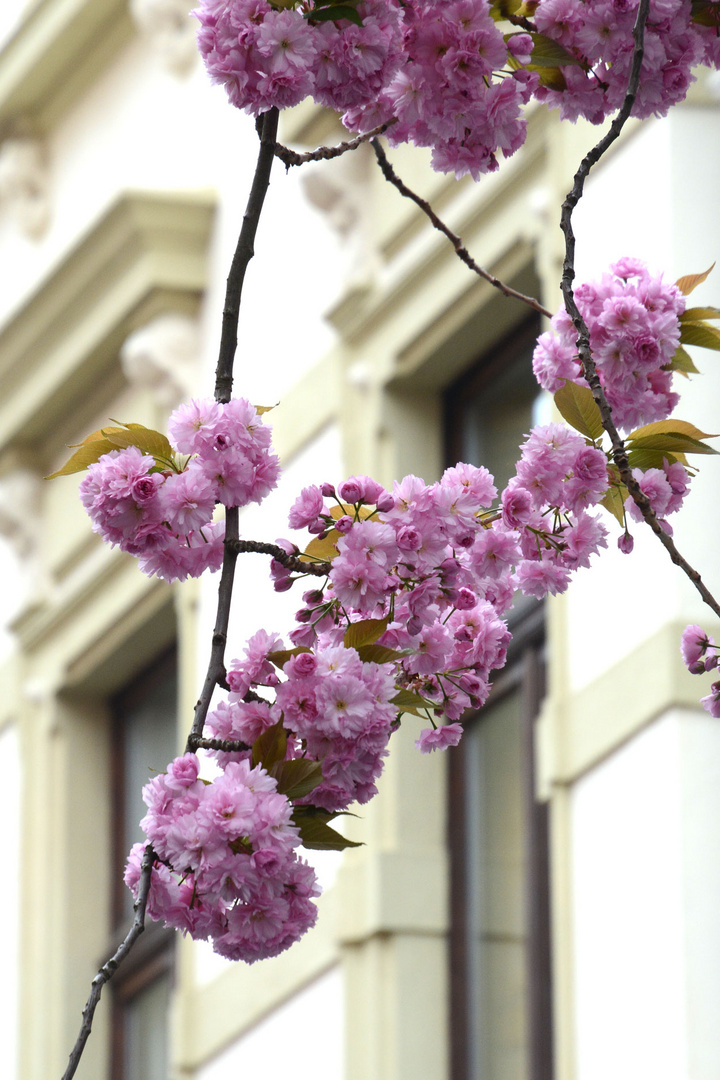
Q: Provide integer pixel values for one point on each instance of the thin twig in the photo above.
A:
(109, 968)
(325, 153)
(583, 339)
(461, 251)
(291, 562)
(243, 254)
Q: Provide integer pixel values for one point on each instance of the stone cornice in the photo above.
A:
(55, 53)
(146, 255)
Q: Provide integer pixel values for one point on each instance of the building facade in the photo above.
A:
(540, 905)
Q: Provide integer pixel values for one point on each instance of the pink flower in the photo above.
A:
(439, 738)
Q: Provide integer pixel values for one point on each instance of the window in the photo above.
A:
(500, 943)
(144, 741)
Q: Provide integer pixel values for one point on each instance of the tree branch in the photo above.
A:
(583, 339)
(325, 153)
(109, 968)
(461, 251)
(291, 562)
(244, 252)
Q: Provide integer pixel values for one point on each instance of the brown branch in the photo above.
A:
(325, 153)
(291, 562)
(244, 252)
(583, 339)
(461, 251)
(228, 745)
(109, 968)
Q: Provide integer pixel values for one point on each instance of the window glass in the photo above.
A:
(494, 406)
(500, 975)
(146, 1032)
(496, 882)
(144, 741)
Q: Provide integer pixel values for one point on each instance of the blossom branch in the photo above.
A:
(109, 968)
(392, 177)
(216, 672)
(325, 153)
(583, 340)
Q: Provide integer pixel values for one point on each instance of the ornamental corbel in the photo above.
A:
(170, 29)
(162, 357)
(25, 183)
(339, 189)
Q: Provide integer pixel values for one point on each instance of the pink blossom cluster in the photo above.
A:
(267, 57)
(455, 92)
(633, 319)
(334, 707)
(599, 34)
(441, 568)
(161, 510)
(445, 75)
(700, 654)
(226, 866)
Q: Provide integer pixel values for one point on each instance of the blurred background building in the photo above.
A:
(539, 905)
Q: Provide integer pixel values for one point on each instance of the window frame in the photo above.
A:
(153, 955)
(525, 669)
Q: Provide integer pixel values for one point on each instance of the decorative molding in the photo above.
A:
(25, 184)
(162, 356)
(146, 256)
(171, 30)
(19, 498)
(19, 501)
(56, 52)
(340, 188)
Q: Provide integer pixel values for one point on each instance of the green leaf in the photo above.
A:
(240, 846)
(548, 53)
(702, 334)
(614, 499)
(379, 654)
(261, 409)
(153, 443)
(86, 454)
(324, 549)
(691, 281)
(652, 459)
(501, 9)
(106, 439)
(280, 657)
(697, 314)
(334, 14)
(673, 442)
(270, 747)
(672, 427)
(706, 13)
(296, 778)
(316, 834)
(577, 405)
(683, 362)
(410, 702)
(365, 632)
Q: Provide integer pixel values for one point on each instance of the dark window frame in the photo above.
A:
(153, 955)
(525, 669)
